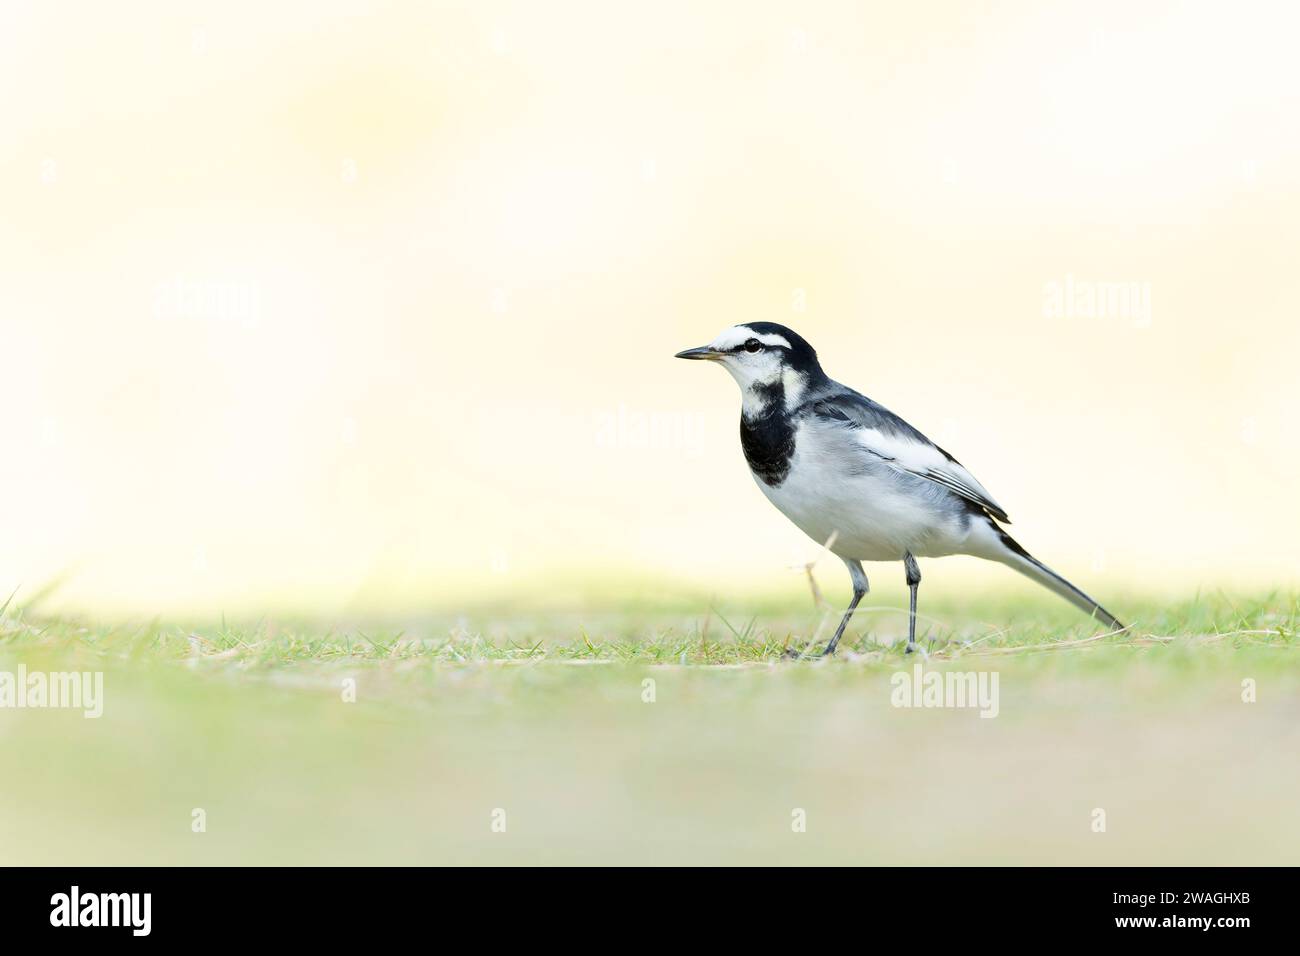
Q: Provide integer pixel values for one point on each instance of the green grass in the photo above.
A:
(457, 716)
(656, 636)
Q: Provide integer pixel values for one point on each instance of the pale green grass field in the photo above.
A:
(546, 717)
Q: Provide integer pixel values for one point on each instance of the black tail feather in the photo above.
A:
(1028, 565)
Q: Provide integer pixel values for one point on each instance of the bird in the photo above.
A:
(849, 472)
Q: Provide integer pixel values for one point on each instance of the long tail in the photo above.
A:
(1010, 553)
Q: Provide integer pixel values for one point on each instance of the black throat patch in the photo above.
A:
(768, 437)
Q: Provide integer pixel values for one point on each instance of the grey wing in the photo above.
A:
(886, 436)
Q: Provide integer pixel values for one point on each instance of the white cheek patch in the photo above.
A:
(752, 370)
(739, 334)
(795, 383)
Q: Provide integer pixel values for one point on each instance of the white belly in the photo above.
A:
(876, 515)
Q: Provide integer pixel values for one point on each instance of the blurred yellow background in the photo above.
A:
(324, 305)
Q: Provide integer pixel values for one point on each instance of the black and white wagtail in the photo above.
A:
(837, 464)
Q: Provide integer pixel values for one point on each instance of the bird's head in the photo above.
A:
(766, 360)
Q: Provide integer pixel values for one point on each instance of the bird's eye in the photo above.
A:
(753, 345)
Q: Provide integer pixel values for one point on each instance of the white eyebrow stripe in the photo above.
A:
(739, 334)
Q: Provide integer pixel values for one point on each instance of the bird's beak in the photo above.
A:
(703, 352)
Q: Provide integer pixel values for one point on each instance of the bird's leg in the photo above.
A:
(859, 591)
(913, 579)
